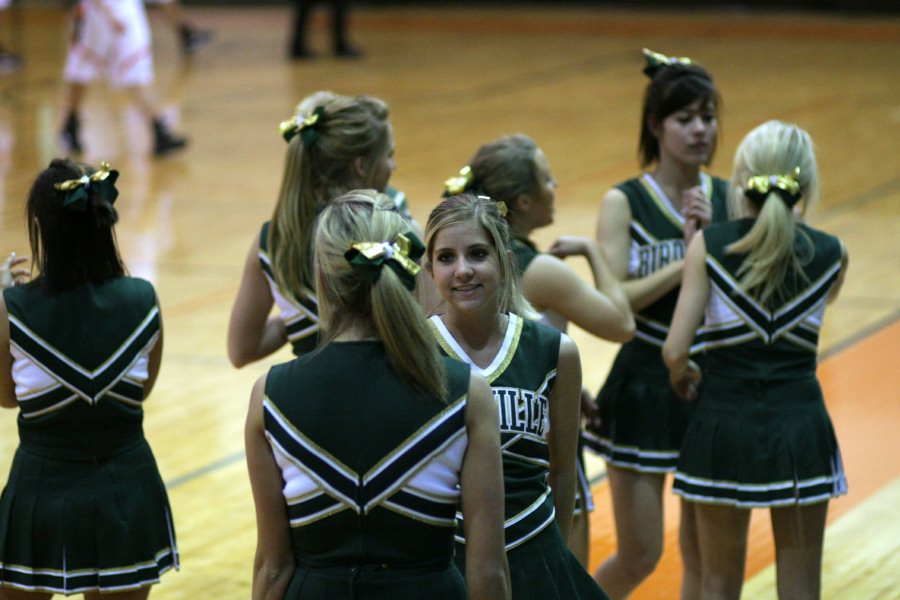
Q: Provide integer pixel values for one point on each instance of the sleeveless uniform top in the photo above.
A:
(300, 315)
(642, 422)
(78, 400)
(84, 507)
(761, 435)
(370, 467)
(521, 378)
(739, 331)
(657, 239)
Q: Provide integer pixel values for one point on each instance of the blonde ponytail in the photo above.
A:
(774, 246)
(385, 304)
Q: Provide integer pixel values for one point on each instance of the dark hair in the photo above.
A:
(71, 245)
(674, 87)
(504, 168)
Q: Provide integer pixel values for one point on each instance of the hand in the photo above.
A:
(590, 412)
(686, 381)
(697, 212)
(11, 276)
(570, 245)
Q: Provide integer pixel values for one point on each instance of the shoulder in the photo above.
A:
(826, 244)
(628, 187)
(136, 288)
(716, 234)
(541, 336)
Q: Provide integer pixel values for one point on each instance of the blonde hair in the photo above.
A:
(345, 297)
(773, 148)
(350, 128)
(482, 210)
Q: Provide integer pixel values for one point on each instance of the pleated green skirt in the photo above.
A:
(68, 527)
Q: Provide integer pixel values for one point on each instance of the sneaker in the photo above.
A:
(164, 141)
(194, 39)
(301, 51)
(70, 134)
(345, 50)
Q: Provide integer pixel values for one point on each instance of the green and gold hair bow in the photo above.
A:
(786, 186)
(306, 127)
(103, 181)
(367, 258)
(460, 183)
(657, 60)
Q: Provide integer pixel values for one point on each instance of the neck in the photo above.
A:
(476, 332)
(356, 331)
(676, 177)
(673, 173)
(519, 229)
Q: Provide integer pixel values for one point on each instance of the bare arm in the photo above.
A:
(252, 333)
(154, 359)
(550, 283)
(565, 418)
(692, 300)
(273, 564)
(481, 482)
(845, 262)
(7, 386)
(613, 235)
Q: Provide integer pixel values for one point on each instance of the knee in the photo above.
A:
(639, 563)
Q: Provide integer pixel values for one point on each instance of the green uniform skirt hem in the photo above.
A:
(68, 527)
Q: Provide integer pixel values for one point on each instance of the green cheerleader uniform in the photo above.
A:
(524, 251)
(761, 435)
(371, 475)
(300, 315)
(84, 508)
(642, 421)
(521, 377)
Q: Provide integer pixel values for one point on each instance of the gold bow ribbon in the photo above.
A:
(460, 183)
(296, 125)
(658, 60)
(76, 189)
(85, 180)
(367, 258)
(787, 186)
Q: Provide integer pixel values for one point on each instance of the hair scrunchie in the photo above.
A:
(786, 186)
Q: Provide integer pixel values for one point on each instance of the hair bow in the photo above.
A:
(786, 186)
(460, 183)
(657, 60)
(103, 180)
(367, 258)
(306, 127)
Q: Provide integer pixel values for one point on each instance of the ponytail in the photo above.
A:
(774, 167)
(374, 290)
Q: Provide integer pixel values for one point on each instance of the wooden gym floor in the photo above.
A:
(455, 78)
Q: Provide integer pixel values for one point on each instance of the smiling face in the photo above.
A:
(688, 135)
(465, 268)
